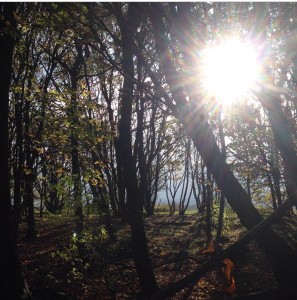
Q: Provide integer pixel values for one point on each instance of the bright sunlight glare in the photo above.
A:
(229, 70)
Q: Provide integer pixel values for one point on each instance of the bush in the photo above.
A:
(81, 253)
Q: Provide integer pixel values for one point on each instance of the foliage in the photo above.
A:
(81, 253)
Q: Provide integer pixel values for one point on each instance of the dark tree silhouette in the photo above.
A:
(12, 284)
(134, 206)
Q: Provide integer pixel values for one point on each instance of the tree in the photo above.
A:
(12, 282)
(186, 191)
(134, 207)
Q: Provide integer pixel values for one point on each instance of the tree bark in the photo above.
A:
(12, 284)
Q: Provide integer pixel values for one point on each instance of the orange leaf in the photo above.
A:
(228, 267)
(230, 290)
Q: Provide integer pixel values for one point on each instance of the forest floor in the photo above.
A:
(55, 265)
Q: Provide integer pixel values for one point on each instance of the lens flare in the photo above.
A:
(229, 70)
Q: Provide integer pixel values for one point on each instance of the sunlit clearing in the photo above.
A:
(229, 70)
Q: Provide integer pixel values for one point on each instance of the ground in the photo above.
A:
(55, 264)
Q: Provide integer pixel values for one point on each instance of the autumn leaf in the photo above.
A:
(227, 268)
(230, 289)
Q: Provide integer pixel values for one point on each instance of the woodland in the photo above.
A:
(148, 150)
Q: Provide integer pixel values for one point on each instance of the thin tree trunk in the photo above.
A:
(276, 177)
(113, 186)
(29, 200)
(209, 199)
(203, 184)
(185, 196)
(222, 197)
(18, 162)
(76, 175)
(29, 176)
(43, 190)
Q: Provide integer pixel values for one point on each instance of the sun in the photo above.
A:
(229, 70)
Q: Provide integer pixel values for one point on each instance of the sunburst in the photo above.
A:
(229, 70)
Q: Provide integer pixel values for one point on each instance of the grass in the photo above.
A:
(101, 269)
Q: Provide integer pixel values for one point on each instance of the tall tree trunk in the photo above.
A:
(12, 284)
(134, 205)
